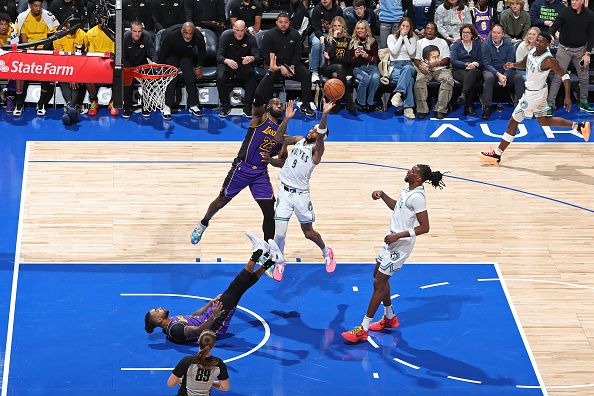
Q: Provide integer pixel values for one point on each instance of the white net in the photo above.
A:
(154, 80)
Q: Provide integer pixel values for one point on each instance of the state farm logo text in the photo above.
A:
(46, 68)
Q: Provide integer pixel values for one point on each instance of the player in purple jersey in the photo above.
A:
(217, 313)
(250, 167)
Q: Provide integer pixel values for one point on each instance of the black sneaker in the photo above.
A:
(247, 111)
(439, 116)
(486, 113)
(146, 113)
(127, 113)
(422, 116)
(305, 109)
(224, 111)
(490, 157)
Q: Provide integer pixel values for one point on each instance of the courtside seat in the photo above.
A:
(210, 60)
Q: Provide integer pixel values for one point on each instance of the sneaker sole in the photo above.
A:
(488, 160)
(586, 132)
(586, 110)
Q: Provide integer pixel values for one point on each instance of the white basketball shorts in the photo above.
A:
(297, 201)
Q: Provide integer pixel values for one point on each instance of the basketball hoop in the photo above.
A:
(154, 79)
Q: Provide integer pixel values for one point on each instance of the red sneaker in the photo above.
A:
(114, 111)
(93, 108)
(355, 335)
(384, 323)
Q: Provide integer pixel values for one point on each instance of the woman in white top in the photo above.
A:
(449, 18)
(524, 47)
(403, 45)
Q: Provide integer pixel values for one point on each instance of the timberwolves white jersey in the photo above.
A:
(298, 167)
(536, 79)
(410, 202)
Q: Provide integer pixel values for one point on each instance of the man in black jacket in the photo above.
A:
(138, 10)
(9, 7)
(167, 13)
(285, 43)
(62, 9)
(236, 56)
(138, 50)
(183, 48)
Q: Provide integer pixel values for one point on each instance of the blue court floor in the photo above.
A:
(79, 329)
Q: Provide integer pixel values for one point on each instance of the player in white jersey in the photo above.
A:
(538, 63)
(409, 219)
(293, 193)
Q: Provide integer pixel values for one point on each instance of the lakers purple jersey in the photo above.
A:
(483, 20)
(221, 324)
(257, 140)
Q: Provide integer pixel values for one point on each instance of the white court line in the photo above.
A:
(147, 368)
(406, 363)
(372, 342)
(376, 375)
(521, 330)
(464, 379)
(355, 289)
(15, 276)
(255, 315)
(445, 119)
(556, 386)
(228, 263)
(434, 285)
(394, 296)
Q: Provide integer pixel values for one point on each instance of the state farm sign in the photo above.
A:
(48, 66)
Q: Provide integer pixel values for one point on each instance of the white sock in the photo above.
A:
(574, 126)
(202, 226)
(325, 251)
(388, 312)
(366, 322)
(498, 152)
(280, 233)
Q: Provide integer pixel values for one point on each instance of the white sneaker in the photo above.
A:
(275, 253)
(258, 243)
(18, 111)
(397, 99)
(41, 110)
(313, 106)
(166, 113)
(409, 113)
(195, 111)
(315, 77)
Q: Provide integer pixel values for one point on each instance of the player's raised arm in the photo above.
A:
(280, 135)
(318, 150)
(259, 111)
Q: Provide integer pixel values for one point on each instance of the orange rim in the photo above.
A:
(143, 71)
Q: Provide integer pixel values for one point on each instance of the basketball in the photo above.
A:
(334, 89)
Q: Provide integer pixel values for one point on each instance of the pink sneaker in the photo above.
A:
(279, 271)
(329, 260)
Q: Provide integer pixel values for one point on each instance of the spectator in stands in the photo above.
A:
(8, 7)
(403, 47)
(524, 47)
(285, 43)
(138, 10)
(167, 13)
(544, 12)
(515, 21)
(138, 50)
(62, 9)
(365, 60)
(390, 14)
(361, 13)
(339, 55)
(575, 26)
(249, 11)
(449, 18)
(208, 14)
(496, 52)
(467, 65)
(299, 16)
(433, 69)
(183, 48)
(33, 24)
(421, 12)
(236, 57)
(321, 17)
(73, 92)
(483, 16)
(9, 34)
(96, 40)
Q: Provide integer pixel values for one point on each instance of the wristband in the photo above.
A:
(411, 232)
(565, 77)
(321, 131)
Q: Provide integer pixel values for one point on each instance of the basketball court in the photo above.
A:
(498, 299)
